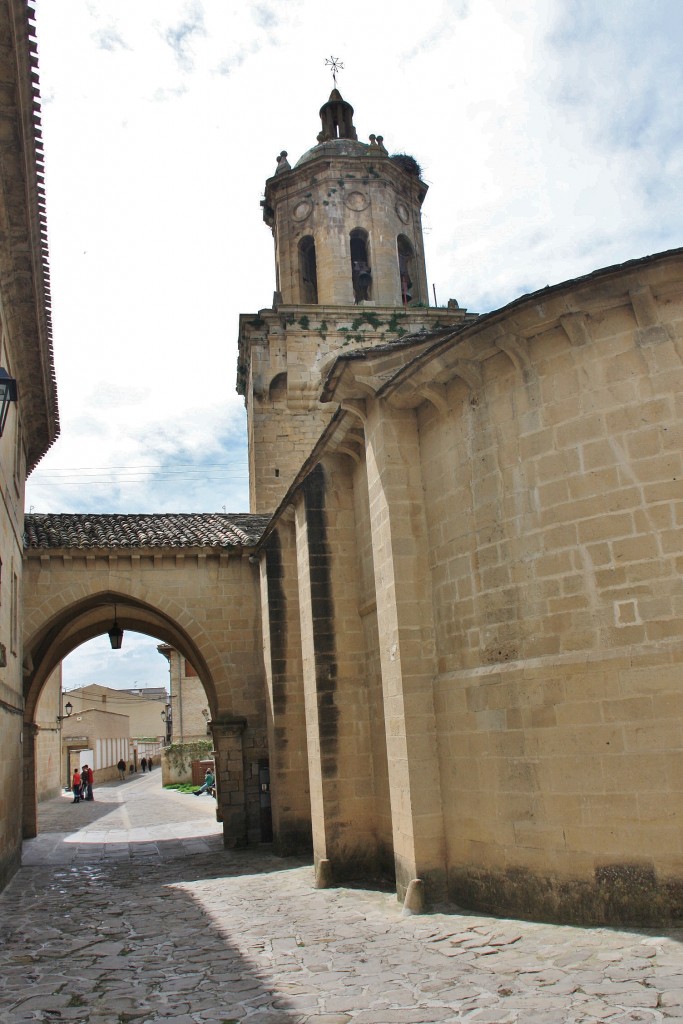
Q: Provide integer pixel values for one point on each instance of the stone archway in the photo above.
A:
(204, 601)
(91, 616)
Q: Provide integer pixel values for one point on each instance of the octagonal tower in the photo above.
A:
(346, 220)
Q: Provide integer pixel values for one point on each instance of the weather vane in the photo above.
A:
(336, 65)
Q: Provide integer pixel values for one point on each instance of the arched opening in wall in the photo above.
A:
(277, 391)
(308, 272)
(361, 272)
(406, 268)
(117, 709)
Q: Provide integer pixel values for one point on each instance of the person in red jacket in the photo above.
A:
(76, 785)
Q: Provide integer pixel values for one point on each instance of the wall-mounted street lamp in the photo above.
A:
(68, 707)
(166, 717)
(115, 634)
(8, 393)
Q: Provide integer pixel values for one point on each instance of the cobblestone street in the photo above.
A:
(129, 910)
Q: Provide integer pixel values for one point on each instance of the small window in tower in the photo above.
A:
(307, 271)
(360, 265)
(406, 260)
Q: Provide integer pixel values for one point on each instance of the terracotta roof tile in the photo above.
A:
(188, 530)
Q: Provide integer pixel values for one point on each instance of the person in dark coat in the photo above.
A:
(143, 764)
(87, 779)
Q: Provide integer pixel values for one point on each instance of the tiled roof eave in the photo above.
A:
(109, 549)
(168, 533)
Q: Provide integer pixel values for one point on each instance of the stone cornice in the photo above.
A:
(357, 329)
(23, 233)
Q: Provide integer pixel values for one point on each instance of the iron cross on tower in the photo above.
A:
(335, 65)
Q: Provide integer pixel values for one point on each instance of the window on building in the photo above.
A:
(308, 271)
(360, 265)
(189, 669)
(406, 268)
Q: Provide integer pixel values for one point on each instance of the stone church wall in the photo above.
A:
(290, 789)
(554, 504)
(488, 552)
(367, 611)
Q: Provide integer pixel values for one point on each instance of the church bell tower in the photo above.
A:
(346, 220)
(350, 273)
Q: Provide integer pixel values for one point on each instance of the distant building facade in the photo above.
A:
(99, 739)
(188, 705)
(141, 707)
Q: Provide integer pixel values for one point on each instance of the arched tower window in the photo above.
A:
(361, 273)
(308, 275)
(406, 268)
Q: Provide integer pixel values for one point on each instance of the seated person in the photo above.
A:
(209, 784)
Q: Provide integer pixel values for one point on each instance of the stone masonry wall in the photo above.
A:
(554, 503)
(51, 767)
(284, 357)
(367, 610)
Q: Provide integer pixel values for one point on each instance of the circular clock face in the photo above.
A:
(301, 210)
(356, 201)
(402, 211)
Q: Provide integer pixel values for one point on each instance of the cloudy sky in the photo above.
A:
(549, 133)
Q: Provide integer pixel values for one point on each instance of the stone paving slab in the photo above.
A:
(227, 936)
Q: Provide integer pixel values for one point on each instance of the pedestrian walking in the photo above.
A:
(122, 770)
(149, 764)
(76, 786)
(143, 764)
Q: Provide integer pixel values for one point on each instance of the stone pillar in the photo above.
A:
(231, 803)
(29, 809)
(337, 714)
(291, 804)
(407, 652)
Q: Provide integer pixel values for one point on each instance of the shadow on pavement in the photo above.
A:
(136, 941)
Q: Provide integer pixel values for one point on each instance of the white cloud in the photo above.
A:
(550, 137)
(138, 663)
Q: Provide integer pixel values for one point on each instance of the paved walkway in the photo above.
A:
(139, 915)
(126, 820)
